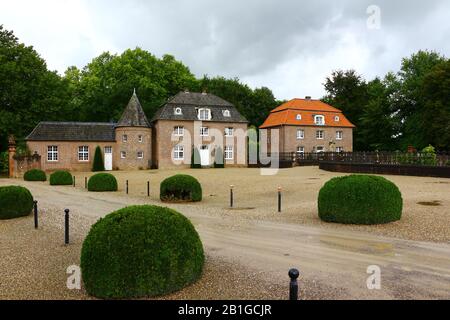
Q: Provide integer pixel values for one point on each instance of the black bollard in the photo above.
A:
(85, 182)
(148, 188)
(279, 199)
(231, 197)
(74, 181)
(36, 221)
(66, 229)
(127, 187)
(293, 286)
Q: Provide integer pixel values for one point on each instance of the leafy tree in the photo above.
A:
(98, 164)
(29, 92)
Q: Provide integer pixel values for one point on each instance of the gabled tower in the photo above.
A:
(134, 138)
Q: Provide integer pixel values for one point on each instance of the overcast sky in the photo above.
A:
(289, 46)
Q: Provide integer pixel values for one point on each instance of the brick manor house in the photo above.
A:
(309, 126)
(188, 119)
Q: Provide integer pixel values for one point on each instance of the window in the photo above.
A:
(178, 131)
(339, 149)
(319, 120)
(108, 150)
(229, 132)
(337, 119)
(124, 138)
(141, 138)
(320, 149)
(226, 113)
(52, 153)
(83, 153)
(320, 134)
(178, 152)
(299, 117)
(178, 112)
(204, 131)
(300, 134)
(140, 155)
(123, 154)
(204, 114)
(300, 149)
(229, 153)
(339, 135)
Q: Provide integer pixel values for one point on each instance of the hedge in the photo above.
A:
(141, 251)
(99, 164)
(360, 199)
(61, 178)
(102, 182)
(15, 202)
(35, 175)
(181, 188)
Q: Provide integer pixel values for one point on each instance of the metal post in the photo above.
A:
(36, 221)
(279, 199)
(293, 286)
(66, 229)
(74, 181)
(231, 196)
(85, 182)
(148, 188)
(127, 187)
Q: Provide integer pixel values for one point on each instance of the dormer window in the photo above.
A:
(319, 120)
(337, 119)
(204, 114)
(226, 113)
(299, 117)
(178, 111)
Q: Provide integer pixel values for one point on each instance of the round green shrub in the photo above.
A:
(35, 175)
(141, 251)
(61, 178)
(360, 199)
(102, 182)
(181, 187)
(15, 202)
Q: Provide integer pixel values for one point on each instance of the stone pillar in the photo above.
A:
(11, 154)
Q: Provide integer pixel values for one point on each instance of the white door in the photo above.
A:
(205, 156)
(108, 158)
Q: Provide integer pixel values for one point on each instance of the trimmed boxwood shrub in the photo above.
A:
(360, 199)
(102, 182)
(35, 175)
(15, 202)
(61, 178)
(181, 187)
(141, 251)
(99, 164)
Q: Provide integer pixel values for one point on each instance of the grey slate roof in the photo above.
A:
(190, 102)
(73, 131)
(134, 115)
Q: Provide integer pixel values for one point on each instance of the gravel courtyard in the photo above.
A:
(249, 249)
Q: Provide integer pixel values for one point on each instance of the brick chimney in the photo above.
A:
(11, 154)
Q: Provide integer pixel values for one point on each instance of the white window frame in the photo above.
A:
(83, 153)
(339, 149)
(178, 152)
(204, 114)
(178, 111)
(321, 151)
(320, 134)
(337, 119)
(204, 132)
(52, 154)
(299, 117)
(320, 122)
(141, 138)
(123, 154)
(300, 149)
(300, 134)
(339, 135)
(229, 132)
(226, 113)
(124, 138)
(229, 153)
(140, 155)
(178, 131)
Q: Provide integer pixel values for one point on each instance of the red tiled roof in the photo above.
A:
(286, 114)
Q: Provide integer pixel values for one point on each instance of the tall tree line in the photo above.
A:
(410, 107)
